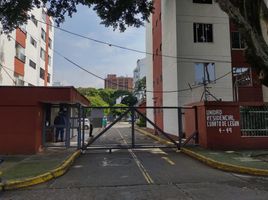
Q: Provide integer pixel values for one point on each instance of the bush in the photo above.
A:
(141, 122)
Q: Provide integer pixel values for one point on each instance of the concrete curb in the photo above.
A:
(225, 166)
(210, 162)
(59, 171)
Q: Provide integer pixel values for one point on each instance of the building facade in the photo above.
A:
(139, 73)
(26, 54)
(118, 83)
(198, 55)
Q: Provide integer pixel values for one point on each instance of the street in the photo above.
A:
(143, 174)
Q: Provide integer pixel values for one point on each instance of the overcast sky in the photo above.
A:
(97, 58)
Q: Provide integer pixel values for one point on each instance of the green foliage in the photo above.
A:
(107, 96)
(129, 100)
(140, 85)
(97, 101)
(141, 122)
(115, 13)
(118, 111)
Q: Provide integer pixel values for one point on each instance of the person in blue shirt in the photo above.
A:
(59, 121)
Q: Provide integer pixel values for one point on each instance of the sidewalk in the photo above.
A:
(253, 162)
(17, 171)
(26, 170)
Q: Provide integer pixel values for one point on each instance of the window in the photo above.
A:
(204, 73)
(32, 64)
(48, 77)
(203, 1)
(33, 42)
(19, 79)
(20, 52)
(23, 28)
(42, 54)
(49, 60)
(242, 76)
(44, 15)
(237, 41)
(42, 74)
(49, 43)
(50, 25)
(34, 20)
(203, 32)
(43, 34)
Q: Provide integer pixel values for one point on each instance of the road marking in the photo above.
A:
(168, 160)
(140, 166)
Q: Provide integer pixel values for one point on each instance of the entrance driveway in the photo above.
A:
(143, 174)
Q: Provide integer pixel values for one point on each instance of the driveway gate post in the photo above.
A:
(180, 126)
(132, 127)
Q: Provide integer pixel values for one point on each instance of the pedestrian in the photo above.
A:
(90, 129)
(59, 121)
(104, 122)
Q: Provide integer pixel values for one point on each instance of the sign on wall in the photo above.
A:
(222, 121)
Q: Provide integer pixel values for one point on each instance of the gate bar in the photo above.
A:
(159, 129)
(107, 128)
(132, 127)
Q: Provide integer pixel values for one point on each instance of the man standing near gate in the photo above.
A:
(59, 121)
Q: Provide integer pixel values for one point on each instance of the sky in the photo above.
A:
(97, 58)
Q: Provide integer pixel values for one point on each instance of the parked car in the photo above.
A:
(86, 123)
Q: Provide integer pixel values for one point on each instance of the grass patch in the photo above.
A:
(240, 158)
(29, 169)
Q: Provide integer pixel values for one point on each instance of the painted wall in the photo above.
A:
(222, 131)
(149, 73)
(31, 76)
(157, 63)
(217, 52)
(170, 65)
(21, 118)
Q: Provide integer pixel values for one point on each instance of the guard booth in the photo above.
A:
(27, 117)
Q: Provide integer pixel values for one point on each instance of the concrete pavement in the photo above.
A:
(143, 174)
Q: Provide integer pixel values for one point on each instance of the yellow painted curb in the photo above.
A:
(211, 162)
(155, 137)
(59, 171)
(225, 166)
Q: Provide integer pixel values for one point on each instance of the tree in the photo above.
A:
(140, 87)
(248, 16)
(118, 111)
(114, 13)
(129, 100)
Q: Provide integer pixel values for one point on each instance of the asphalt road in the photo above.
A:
(143, 174)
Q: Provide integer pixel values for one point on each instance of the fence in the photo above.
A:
(254, 120)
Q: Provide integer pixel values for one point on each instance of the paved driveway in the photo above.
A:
(143, 174)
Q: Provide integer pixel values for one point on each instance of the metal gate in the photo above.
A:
(131, 113)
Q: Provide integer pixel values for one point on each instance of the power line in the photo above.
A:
(131, 49)
(6, 68)
(97, 76)
(190, 87)
(14, 82)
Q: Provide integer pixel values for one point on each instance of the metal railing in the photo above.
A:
(254, 121)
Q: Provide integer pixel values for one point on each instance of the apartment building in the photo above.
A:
(198, 55)
(26, 54)
(138, 74)
(118, 83)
